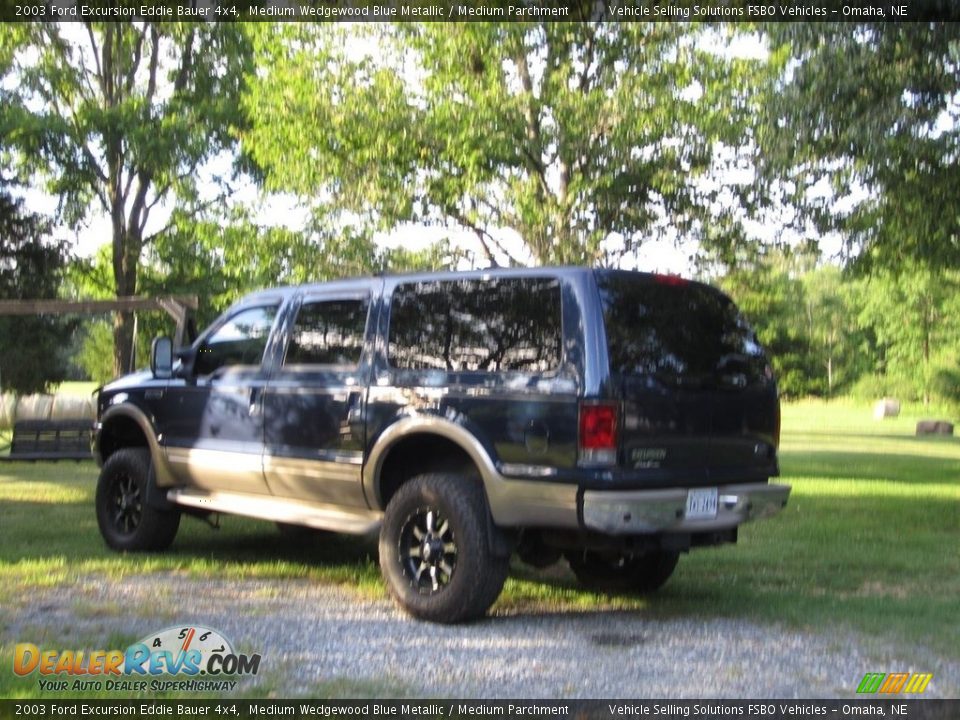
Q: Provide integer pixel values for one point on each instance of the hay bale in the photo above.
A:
(34, 407)
(8, 409)
(72, 407)
(887, 407)
(934, 427)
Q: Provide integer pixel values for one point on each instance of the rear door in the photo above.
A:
(315, 402)
(699, 402)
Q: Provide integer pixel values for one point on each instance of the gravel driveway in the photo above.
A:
(325, 640)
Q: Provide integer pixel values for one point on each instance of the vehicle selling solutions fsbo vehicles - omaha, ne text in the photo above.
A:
(614, 419)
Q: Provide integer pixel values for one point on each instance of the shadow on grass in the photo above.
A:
(39, 536)
(893, 467)
(882, 564)
(905, 438)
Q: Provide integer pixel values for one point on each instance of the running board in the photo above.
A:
(265, 507)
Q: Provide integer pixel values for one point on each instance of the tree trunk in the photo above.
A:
(126, 255)
(122, 342)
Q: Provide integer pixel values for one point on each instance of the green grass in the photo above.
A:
(51, 535)
(868, 544)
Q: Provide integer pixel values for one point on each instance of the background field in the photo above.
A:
(868, 544)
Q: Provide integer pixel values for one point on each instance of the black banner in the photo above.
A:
(471, 10)
(853, 709)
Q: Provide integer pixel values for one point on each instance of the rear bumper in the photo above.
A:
(636, 512)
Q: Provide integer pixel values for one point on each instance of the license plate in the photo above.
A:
(702, 504)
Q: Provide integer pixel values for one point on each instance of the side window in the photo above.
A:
(240, 341)
(328, 333)
(498, 325)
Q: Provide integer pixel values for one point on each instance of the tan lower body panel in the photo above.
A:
(297, 512)
(319, 481)
(218, 470)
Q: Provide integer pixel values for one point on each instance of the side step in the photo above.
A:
(353, 521)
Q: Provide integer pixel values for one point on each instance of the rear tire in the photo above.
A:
(623, 573)
(125, 519)
(435, 549)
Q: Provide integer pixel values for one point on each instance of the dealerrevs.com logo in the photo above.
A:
(177, 659)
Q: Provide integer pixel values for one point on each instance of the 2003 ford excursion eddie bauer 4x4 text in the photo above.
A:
(613, 418)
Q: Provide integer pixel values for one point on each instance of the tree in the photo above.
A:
(119, 118)
(861, 133)
(566, 136)
(31, 267)
(220, 262)
(841, 346)
(915, 314)
(771, 296)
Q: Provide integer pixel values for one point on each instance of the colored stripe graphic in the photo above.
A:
(870, 683)
(894, 683)
(918, 683)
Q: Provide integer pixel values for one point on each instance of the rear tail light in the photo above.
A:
(598, 434)
(672, 280)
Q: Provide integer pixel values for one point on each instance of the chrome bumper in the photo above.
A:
(633, 512)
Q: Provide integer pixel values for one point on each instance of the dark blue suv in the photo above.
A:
(613, 418)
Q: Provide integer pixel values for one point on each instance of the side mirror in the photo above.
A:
(161, 358)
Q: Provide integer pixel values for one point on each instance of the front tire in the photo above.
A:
(617, 573)
(435, 549)
(126, 521)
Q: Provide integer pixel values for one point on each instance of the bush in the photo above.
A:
(946, 387)
(874, 387)
(96, 353)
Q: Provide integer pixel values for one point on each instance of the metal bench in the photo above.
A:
(51, 440)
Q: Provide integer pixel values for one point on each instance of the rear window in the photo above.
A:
(675, 330)
(476, 325)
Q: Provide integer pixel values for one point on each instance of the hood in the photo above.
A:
(134, 379)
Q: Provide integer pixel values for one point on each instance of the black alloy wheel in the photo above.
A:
(428, 550)
(125, 518)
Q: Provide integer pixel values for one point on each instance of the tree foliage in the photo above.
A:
(31, 267)
(844, 348)
(915, 314)
(862, 133)
(564, 135)
(772, 298)
(119, 118)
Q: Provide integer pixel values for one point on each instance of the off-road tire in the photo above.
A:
(621, 573)
(125, 519)
(460, 508)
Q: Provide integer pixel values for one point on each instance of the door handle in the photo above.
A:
(254, 407)
(355, 409)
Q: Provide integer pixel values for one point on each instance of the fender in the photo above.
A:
(513, 503)
(164, 475)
